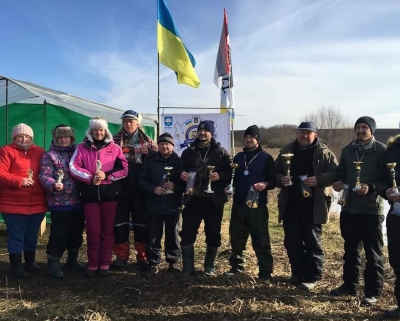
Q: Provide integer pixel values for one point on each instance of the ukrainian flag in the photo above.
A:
(171, 50)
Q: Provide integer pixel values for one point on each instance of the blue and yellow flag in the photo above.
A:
(171, 50)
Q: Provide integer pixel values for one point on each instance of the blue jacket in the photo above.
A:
(261, 169)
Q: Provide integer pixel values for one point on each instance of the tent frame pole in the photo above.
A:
(6, 111)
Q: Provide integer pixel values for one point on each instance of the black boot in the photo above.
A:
(73, 262)
(30, 265)
(16, 265)
(188, 261)
(54, 267)
(209, 260)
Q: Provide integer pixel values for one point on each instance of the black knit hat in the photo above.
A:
(254, 131)
(207, 125)
(166, 137)
(366, 120)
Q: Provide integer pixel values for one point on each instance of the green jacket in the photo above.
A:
(325, 170)
(371, 156)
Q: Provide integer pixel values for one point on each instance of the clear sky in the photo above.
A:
(289, 56)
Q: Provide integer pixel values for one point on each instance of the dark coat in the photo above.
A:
(371, 156)
(325, 168)
(217, 156)
(151, 175)
(391, 155)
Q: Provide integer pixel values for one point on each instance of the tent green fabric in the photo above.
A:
(43, 108)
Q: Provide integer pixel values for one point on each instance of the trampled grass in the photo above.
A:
(127, 295)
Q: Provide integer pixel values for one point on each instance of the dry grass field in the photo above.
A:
(127, 295)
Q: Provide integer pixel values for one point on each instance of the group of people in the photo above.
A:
(106, 183)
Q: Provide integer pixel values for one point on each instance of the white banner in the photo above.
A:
(183, 128)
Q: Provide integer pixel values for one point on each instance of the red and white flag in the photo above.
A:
(223, 70)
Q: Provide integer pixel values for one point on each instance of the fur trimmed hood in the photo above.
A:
(393, 141)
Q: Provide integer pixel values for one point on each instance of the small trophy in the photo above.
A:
(391, 166)
(168, 169)
(98, 166)
(234, 167)
(287, 158)
(30, 173)
(210, 170)
(358, 173)
(60, 176)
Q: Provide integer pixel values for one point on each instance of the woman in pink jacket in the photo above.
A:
(22, 198)
(99, 164)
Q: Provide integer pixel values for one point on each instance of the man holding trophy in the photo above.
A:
(255, 171)
(159, 180)
(305, 168)
(362, 214)
(387, 188)
(211, 164)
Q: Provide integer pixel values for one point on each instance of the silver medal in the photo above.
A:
(246, 172)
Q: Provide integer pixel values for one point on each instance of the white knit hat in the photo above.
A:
(99, 122)
(22, 129)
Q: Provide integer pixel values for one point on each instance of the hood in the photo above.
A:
(393, 141)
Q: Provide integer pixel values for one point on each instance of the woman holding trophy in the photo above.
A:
(67, 222)
(99, 164)
(22, 198)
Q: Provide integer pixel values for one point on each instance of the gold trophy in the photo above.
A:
(30, 173)
(168, 169)
(395, 191)
(287, 157)
(60, 176)
(358, 173)
(210, 170)
(234, 167)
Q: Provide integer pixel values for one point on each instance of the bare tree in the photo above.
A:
(333, 127)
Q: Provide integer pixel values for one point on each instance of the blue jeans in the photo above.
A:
(22, 231)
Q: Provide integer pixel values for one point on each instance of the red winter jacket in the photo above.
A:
(14, 165)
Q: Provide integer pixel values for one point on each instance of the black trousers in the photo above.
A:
(393, 234)
(131, 208)
(303, 241)
(363, 230)
(65, 231)
(196, 210)
(247, 221)
(155, 226)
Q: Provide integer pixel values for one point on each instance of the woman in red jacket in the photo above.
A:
(22, 198)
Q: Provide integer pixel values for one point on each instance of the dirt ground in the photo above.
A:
(127, 295)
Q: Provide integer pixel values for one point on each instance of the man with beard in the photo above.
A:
(362, 214)
(257, 171)
(304, 203)
(203, 152)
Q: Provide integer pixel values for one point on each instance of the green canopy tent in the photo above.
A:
(43, 108)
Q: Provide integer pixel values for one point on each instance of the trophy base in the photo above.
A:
(395, 193)
(355, 189)
(169, 192)
(208, 191)
(288, 184)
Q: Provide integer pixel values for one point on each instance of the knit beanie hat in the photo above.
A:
(207, 125)
(99, 122)
(22, 129)
(166, 137)
(63, 130)
(366, 120)
(131, 114)
(253, 131)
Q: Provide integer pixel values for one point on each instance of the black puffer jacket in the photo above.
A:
(151, 176)
(217, 156)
